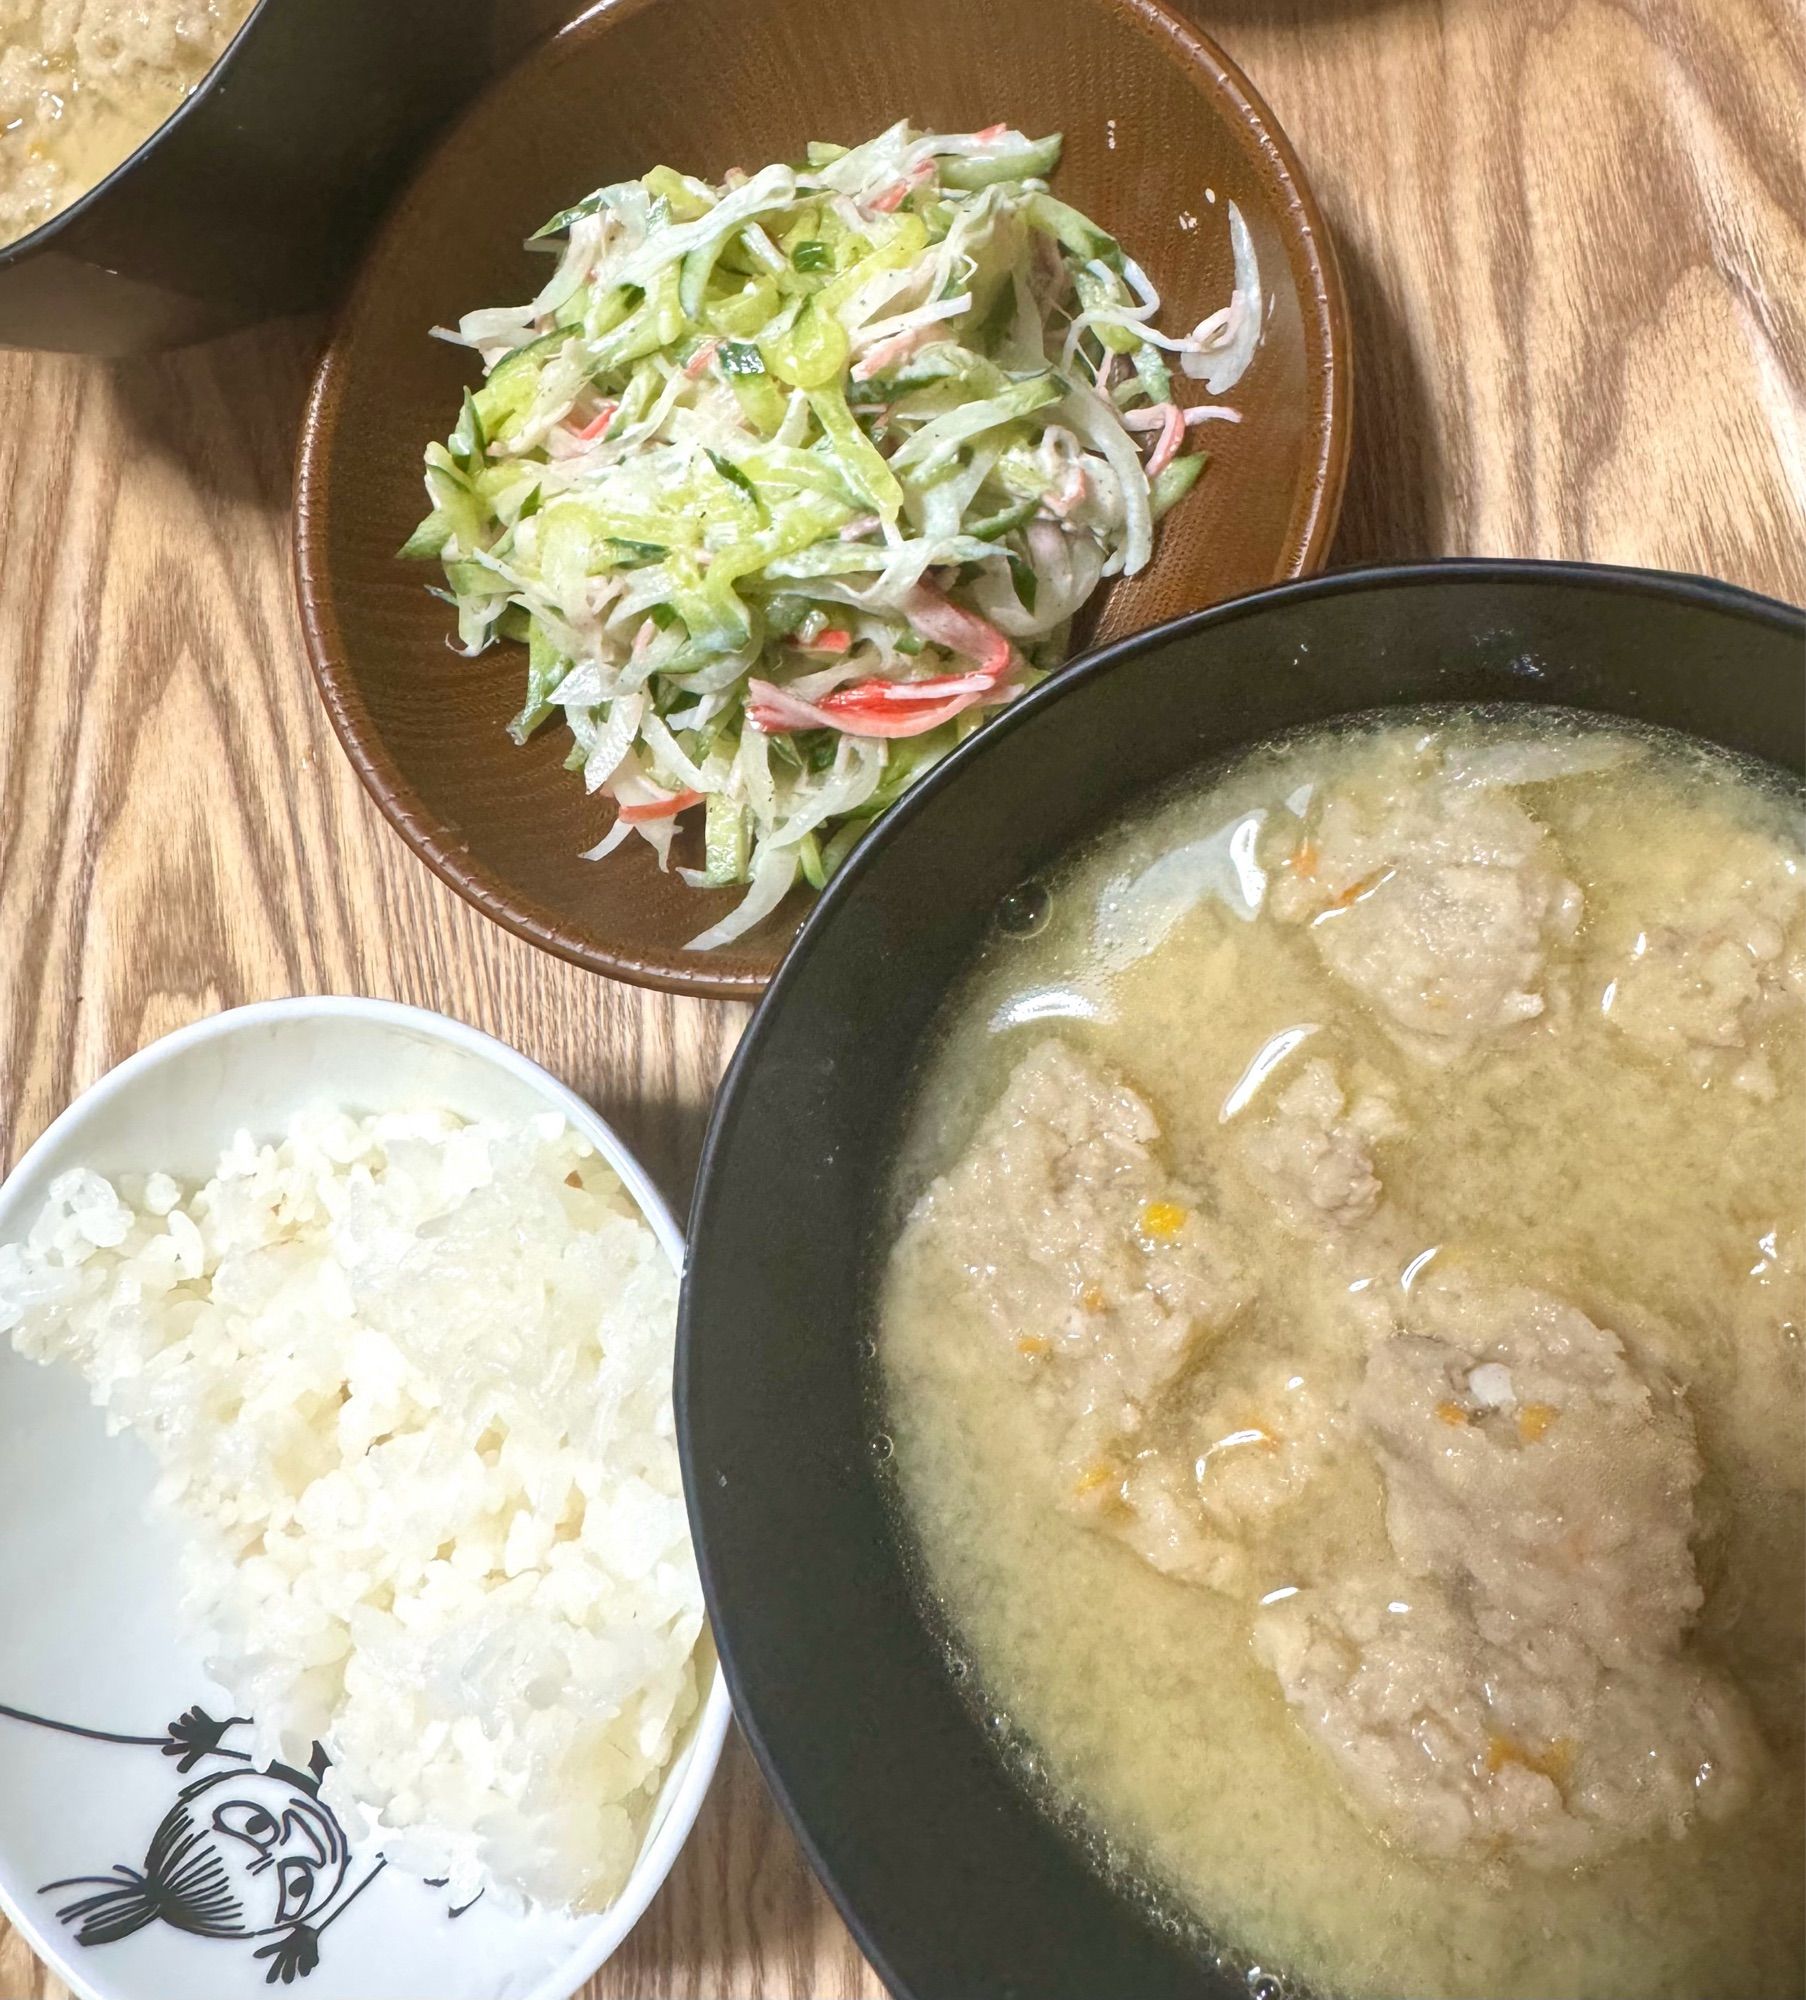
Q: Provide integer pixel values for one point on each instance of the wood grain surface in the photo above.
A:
(1574, 242)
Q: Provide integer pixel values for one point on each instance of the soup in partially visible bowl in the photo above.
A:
(84, 82)
(173, 168)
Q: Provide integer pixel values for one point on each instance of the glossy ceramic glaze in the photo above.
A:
(104, 1648)
(254, 198)
(953, 1881)
(1161, 133)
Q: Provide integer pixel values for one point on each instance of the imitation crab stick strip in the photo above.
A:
(650, 809)
(598, 423)
(893, 196)
(1172, 435)
(775, 712)
(883, 354)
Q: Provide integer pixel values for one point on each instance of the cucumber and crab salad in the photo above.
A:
(788, 482)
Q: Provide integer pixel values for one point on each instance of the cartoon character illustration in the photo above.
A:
(242, 1853)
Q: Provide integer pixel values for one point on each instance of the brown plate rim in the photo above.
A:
(435, 843)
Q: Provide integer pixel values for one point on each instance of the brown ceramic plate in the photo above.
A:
(1157, 122)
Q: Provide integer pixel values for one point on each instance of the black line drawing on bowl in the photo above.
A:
(243, 1853)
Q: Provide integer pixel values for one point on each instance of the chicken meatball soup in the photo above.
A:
(1342, 1348)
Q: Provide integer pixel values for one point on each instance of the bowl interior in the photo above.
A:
(954, 1882)
(1160, 136)
(91, 1570)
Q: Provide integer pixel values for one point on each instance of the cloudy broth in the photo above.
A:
(1657, 1188)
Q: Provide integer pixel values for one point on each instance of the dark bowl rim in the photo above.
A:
(432, 840)
(44, 236)
(1674, 586)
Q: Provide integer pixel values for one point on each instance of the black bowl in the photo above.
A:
(253, 198)
(955, 1884)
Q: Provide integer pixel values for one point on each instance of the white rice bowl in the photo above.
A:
(408, 1382)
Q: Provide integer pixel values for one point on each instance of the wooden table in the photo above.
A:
(1573, 237)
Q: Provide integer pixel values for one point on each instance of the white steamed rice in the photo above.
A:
(408, 1382)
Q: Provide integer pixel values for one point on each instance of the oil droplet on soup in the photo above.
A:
(1343, 1354)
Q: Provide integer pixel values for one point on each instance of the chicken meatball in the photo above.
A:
(1103, 1272)
(1519, 1680)
(1718, 971)
(1098, 1264)
(1221, 1462)
(1456, 1745)
(1314, 1153)
(1438, 904)
(1524, 1451)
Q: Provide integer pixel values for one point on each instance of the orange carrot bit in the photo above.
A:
(1557, 1762)
(1534, 1420)
(1303, 862)
(1346, 898)
(1092, 1299)
(1031, 1344)
(1554, 1763)
(1163, 1220)
(1093, 1477)
(1453, 1413)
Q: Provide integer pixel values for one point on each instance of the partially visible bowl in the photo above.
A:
(954, 1881)
(254, 197)
(1162, 132)
(88, 1573)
